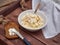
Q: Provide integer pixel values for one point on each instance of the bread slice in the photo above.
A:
(8, 26)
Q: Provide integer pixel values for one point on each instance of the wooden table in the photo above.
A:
(35, 38)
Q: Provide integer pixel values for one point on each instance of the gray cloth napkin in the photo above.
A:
(53, 26)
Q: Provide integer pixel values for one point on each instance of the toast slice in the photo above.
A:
(8, 26)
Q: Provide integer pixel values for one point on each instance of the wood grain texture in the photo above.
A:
(5, 2)
(35, 38)
(37, 35)
(5, 41)
(7, 9)
(13, 16)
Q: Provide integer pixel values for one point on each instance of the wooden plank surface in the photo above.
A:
(7, 9)
(13, 16)
(53, 41)
(5, 41)
(6, 2)
(35, 38)
(37, 35)
(18, 41)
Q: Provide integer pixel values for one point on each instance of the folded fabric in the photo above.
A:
(53, 26)
(56, 3)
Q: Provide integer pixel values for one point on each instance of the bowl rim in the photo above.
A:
(32, 29)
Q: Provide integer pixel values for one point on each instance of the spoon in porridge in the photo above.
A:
(37, 7)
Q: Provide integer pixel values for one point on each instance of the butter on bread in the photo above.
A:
(8, 26)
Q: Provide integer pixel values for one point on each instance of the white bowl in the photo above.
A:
(40, 13)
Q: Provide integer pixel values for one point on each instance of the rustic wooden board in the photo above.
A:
(53, 41)
(7, 9)
(13, 16)
(35, 38)
(6, 2)
(37, 35)
(5, 41)
(18, 41)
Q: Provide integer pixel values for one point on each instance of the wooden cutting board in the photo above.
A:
(2, 8)
(5, 2)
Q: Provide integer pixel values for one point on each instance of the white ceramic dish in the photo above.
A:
(40, 13)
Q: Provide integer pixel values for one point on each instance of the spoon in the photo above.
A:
(37, 7)
(13, 30)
